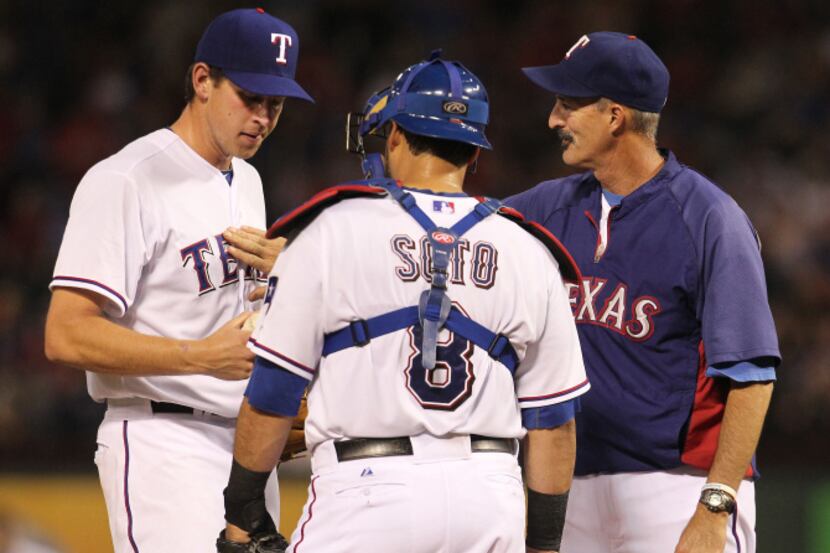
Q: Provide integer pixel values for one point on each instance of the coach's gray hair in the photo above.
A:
(642, 122)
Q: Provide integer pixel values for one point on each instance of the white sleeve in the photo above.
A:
(290, 332)
(552, 370)
(104, 247)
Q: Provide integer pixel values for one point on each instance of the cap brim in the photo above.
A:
(554, 78)
(268, 85)
(441, 128)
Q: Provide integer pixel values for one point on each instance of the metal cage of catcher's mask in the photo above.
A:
(360, 124)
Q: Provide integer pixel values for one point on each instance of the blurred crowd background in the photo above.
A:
(749, 107)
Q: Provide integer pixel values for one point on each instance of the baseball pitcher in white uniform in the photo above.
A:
(148, 299)
(432, 333)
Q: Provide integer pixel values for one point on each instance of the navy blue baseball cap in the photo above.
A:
(255, 50)
(610, 65)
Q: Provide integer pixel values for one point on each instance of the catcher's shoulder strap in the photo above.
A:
(304, 214)
(567, 265)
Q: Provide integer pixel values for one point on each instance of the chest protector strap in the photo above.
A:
(361, 332)
(435, 305)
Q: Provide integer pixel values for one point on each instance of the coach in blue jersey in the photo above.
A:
(672, 312)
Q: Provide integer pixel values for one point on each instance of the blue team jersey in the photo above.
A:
(680, 286)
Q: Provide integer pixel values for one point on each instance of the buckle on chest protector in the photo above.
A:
(434, 305)
(497, 346)
(360, 332)
(433, 310)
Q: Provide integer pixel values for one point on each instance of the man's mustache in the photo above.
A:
(565, 138)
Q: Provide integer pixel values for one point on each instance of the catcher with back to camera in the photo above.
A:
(672, 314)
(405, 307)
(147, 299)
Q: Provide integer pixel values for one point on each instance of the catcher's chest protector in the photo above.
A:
(434, 310)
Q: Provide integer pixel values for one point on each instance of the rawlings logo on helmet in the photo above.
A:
(455, 107)
(443, 237)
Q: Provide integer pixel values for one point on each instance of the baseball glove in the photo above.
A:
(267, 540)
(272, 543)
(295, 446)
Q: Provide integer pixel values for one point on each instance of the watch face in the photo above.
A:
(717, 501)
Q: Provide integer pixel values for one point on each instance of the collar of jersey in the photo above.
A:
(431, 193)
(645, 192)
(197, 162)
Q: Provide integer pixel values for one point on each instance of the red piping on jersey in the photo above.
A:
(93, 282)
(556, 394)
(597, 254)
(706, 418)
(310, 512)
(296, 364)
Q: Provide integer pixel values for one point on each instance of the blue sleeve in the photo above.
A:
(736, 320)
(275, 390)
(550, 416)
(761, 369)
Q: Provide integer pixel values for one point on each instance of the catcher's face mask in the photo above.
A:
(368, 123)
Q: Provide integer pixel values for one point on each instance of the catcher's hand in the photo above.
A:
(295, 446)
(271, 543)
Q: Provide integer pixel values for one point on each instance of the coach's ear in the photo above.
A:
(618, 117)
(201, 80)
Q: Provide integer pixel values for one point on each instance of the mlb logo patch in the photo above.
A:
(440, 206)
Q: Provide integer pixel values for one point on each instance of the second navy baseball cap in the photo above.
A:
(255, 50)
(610, 65)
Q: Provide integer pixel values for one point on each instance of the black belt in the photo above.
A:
(364, 448)
(161, 407)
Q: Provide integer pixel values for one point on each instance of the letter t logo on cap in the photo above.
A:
(284, 41)
(581, 43)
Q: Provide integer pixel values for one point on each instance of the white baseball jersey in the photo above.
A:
(145, 231)
(367, 257)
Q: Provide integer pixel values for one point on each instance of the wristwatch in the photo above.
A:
(717, 501)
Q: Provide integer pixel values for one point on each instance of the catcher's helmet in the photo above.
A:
(435, 98)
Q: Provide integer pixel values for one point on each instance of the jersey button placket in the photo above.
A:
(602, 245)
